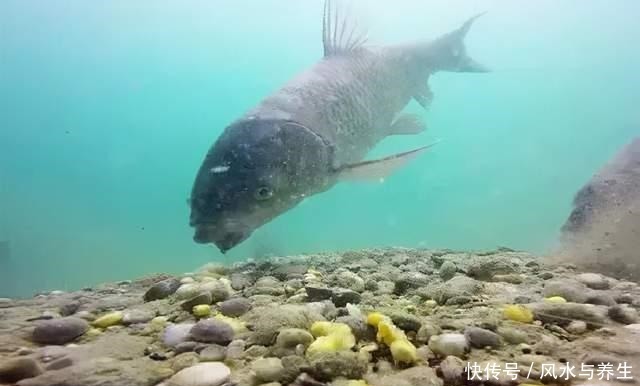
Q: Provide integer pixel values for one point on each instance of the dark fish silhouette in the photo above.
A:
(602, 232)
(317, 129)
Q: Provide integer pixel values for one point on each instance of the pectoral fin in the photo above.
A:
(374, 170)
(424, 96)
(408, 124)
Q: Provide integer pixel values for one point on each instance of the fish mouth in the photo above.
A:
(224, 240)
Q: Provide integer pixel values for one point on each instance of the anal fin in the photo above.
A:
(407, 124)
(375, 170)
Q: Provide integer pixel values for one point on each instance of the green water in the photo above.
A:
(107, 109)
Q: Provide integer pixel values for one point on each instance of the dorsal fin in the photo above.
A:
(335, 39)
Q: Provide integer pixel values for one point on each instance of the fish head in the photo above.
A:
(257, 170)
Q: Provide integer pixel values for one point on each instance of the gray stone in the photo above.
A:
(512, 335)
(358, 326)
(415, 376)
(69, 308)
(447, 270)
(291, 337)
(235, 350)
(480, 338)
(235, 307)
(240, 281)
(349, 280)
(600, 298)
(202, 374)
(564, 313)
(449, 344)
(59, 331)
(201, 298)
(137, 316)
(213, 353)
(486, 267)
(426, 331)
(174, 334)
(623, 314)
(404, 320)
(571, 290)
(410, 281)
(341, 297)
(316, 293)
(218, 290)
(268, 369)
(162, 289)
(577, 327)
(212, 331)
(594, 281)
(453, 369)
(16, 369)
(326, 366)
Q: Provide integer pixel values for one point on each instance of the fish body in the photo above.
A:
(316, 130)
(602, 232)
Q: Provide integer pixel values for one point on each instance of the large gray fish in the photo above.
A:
(602, 233)
(317, 129)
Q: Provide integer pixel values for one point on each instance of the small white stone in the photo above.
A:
(202, 374)
(449, 344)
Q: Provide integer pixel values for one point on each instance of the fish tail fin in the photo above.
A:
(449, 53)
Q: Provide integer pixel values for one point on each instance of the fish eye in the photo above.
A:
(263, 193)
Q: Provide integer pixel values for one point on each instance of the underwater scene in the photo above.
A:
(319, 193)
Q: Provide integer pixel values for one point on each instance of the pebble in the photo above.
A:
(86, 315)
(426, 331)
(201, 298)
(341, 297)
(410, 281)
(60, 363)
(291, 337)
(213, 353)
(162, 289)
(14, 370)
(240, 281)
(563, 314)
(449, 344)
(234, 307)
(217, 289)
(326, 366)
(577, 327)
(187, 291)
(623, 314)
(69, 308)
(415, 376)
(571, 290)
(202, 374)
(59, 331)
(481, 338)
(448, 270)
(212, 331)
(175, 334)
(348, 279)
(512, 335)
(110, 319)
(137, 317)
(594, 281)
(5, 302)
(452, 369)
(316, 293)
(268, 369)
(235, 350)
(600, 298)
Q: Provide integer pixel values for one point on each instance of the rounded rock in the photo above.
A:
(202, 374)
(577, 327)
(268, 369)
(213, 353)
(59, 331)
(623, 314)
(481, 338)
(14, 370)
(449, 344)
(175, 334)
(594, 281)
(212, 331)
(201, 298)
(137, 317)
(448, 270)
(162, 289)
(291, 337)
(234, 307)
